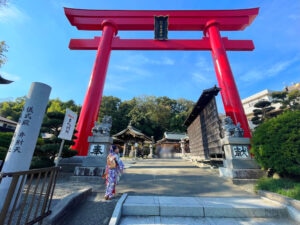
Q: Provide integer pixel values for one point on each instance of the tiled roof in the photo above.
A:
(174, 136)
(7, 120)
(130, 130)
(205, 97)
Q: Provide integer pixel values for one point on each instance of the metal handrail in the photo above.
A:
(29, 196)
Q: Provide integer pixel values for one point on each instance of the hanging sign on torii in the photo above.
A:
(211, 22)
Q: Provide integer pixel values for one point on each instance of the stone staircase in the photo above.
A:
(199, 210)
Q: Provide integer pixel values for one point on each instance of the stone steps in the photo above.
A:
(200, 210)
(160, 220)
(202, 207)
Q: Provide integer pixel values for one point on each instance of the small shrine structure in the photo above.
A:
(130, 138)
(170, 143)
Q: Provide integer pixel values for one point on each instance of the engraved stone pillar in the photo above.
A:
(23, 143)
(238, 163)
(94, 163)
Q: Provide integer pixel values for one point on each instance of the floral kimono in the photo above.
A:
(113, 175)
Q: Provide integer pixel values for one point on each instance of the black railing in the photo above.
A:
(29, 196)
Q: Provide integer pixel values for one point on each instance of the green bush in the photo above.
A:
(41, 162)
(276, 144)
(67, 153)
(3, 152)
(5, 139)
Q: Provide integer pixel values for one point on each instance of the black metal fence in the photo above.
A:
(29, 196)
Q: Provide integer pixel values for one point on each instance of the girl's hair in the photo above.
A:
(113, 148)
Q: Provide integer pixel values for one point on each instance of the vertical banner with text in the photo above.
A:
(68, 126)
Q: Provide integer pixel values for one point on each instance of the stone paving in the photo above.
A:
(152, 177)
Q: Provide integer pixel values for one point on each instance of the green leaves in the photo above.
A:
(3, 49)
(276, 144)
(152, 115)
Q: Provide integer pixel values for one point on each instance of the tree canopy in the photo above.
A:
(276, 144)
(152, 115)
(261, 113)
(289, 100)
(3, 49)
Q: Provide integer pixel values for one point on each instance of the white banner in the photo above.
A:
(68, 126)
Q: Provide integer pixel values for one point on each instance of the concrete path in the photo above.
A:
(176, 191)
(158, 210)
(176, 179)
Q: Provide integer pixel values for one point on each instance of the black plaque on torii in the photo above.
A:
(161, 27)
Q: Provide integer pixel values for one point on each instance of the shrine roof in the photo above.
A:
(172, 136)
(131, 131)
(205, 98)
(3, 119)
(229, 20)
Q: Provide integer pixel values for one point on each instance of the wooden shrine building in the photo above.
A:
(131, 138)
(171, 142)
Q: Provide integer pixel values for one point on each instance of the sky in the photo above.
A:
(37, 33)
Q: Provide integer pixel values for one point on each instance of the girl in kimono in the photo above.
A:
(114, 169)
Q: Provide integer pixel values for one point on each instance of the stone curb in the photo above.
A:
(65, 205)
(114, 220)
(293, 206)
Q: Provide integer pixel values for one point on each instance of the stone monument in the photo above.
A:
(23, 143)
(99, 143)
(238, 162)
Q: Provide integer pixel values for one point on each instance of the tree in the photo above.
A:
(289, 100)
(3, 49)
(5, 139)
(56, 105)
(261, 113)
(276, 144)
(110, 106)
(48, 147)
(152, 115)
(182, 110)
(12, 109)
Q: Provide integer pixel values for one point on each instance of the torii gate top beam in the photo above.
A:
(143, 20)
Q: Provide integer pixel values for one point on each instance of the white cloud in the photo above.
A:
(140, 59)
(60, 4)
(11, 14)
(9, 76)
(277, 68)
(203, 72)
(294, 17)
(204, 64)
(131, 71)
(167, 61)
(271, 71)
(202, 77)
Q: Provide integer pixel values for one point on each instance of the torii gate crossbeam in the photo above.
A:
(211, 22)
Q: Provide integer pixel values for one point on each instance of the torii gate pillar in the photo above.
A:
(230, 96)
(92, 100)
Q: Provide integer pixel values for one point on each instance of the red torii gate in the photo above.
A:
(211, 22)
